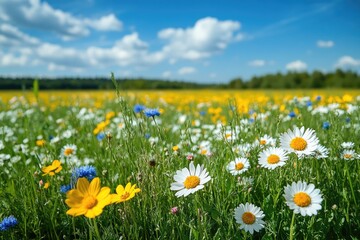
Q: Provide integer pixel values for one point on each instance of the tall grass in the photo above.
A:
(127, 153)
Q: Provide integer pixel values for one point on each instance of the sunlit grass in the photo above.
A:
(209, 127)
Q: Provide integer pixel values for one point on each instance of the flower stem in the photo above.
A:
(292, 227)
(96, 229)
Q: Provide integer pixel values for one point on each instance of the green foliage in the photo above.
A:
(290, 80)
(126, 156)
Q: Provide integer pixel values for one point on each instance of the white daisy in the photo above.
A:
(321, 152)
(68, 150)
(272, 158)
(347, 145)
(303, 198)
(249, 217)
(265, 140)
(190, 180)
(348, 154)
(303, 142)
(238, 166)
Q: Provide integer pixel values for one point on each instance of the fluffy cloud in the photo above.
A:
(40, 15)
(296, 66)
(129, 50)
(8, 60)
(207, 37)
(186, 70)
(12, 36)
(257, 63)
(325, 44)
(347, 61)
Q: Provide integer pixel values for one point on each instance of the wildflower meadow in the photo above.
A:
(180, 165)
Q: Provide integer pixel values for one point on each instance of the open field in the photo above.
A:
(294, 155)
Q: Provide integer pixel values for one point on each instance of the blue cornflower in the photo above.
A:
(147, 135)
(139, 108)
(347, 119)
(202, 113)
(151, 112)
(318, 98)
(100, 136)
(292, 114)
(65, 188)
(308, 103)
(88, 172)
(8, 222)
(251, 120)
(326, 125)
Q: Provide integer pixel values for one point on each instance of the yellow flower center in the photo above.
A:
(227, 135)
(347, 155)
(248, 218)
(239, 166)
(89, 202)
(302, 199)
(125, 196)
(262, 142)
(298, 144)
(272, 159)
(203, 151)
(68, 151)
(191, 182)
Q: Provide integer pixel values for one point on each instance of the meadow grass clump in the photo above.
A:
(177, 168)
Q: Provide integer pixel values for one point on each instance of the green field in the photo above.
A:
(110, 141)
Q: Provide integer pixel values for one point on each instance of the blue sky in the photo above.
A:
(200, 41)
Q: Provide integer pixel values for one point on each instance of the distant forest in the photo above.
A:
(316, 79)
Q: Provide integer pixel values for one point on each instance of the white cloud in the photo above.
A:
(257, 63)
(129, 50)
(186, 70)
(40, 15)
(8, 60)
(106, 23)
(207, 37)
(166, 74)
(347, 61)
(296, 66)
(12, 36)
(325, 44)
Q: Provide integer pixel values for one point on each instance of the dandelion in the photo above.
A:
(40, 143)
(190, 180)
(249, 217)
(272, 158)
(8, 222)
(303, 198)
(238, 166)
(151, 112)
(87, 198)
(68, 150)
(303, 142)
(55, 167)
(124, 194)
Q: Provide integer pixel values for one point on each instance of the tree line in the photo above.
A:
(316, 79)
